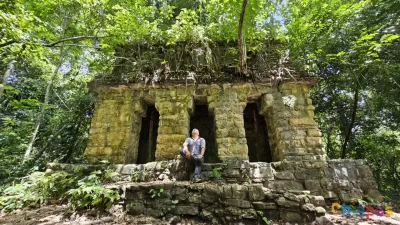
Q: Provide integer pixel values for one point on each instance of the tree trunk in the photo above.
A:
(353, 119)
(7, 74)
(43, 110)
(241, 42)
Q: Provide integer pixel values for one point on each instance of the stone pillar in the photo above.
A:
(293, 133)
(228, 103)
(174, 105)
(116, 123)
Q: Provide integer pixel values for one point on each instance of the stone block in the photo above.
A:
(262, 172)
(283, 185)
(153, 212)
(317, 201)
(187, 210)
(269, 195)
(128, 169)
(309, 174)
(231, 173)
(212, 193)
(249, 214)
(312, 185)
(290, 216)
(264, 205)
(283, 202)
(364, 172)
(330, 195)
(303, 122)
(271, 214)
(342, 185)
(240, 203)
(293, 197)
(256, 193)
(194, 198)
(320, 212)
(367, 184)
(196, 186)
(179, 193)
(314, 142)
(227, 190)
(134, 195)
(314, 133)
(239, 191)
(135, 208)
(235, 211)
(308, 207)
(347, 196)
(284, 175)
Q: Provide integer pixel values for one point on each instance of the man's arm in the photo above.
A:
(203, 146)
(202, 151)
(185, 146)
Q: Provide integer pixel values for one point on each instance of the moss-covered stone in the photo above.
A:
(116, 124)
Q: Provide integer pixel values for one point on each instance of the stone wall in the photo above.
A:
(219, 204)
(293, 133)
(174, 105)
(115, 129)
(234, 191)
(335, 180)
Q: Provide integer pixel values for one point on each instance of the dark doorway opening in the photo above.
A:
(256, 134)
(203, 120)
(148, 136)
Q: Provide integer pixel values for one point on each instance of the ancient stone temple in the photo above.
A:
(262, 140)
(264, 154)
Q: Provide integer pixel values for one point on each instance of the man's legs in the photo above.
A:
(190, 162)
(198, 162)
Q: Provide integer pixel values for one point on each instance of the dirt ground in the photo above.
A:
(54, 215)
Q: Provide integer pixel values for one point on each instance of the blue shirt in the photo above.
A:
(195, 146)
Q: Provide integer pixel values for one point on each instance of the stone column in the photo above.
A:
(116, 123)
(228, 103)
(293, 133)
(174, 105)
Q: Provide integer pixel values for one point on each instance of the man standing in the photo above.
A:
(193, 150)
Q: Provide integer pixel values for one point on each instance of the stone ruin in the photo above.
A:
(264, 155)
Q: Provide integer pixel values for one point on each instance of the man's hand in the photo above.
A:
(199, 156)
(187, 153)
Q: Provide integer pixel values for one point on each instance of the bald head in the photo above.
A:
(195, 133)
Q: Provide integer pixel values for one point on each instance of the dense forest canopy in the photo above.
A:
(50, 50)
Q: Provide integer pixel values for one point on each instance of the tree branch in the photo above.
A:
(7, 43)
(353, 119)
(77, 38)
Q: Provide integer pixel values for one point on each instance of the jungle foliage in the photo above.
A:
(51, 50)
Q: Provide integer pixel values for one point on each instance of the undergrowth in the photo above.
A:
(77, 190)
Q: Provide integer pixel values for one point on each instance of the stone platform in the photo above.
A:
(334, 180)
(219, 203)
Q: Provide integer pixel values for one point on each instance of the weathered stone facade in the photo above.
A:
(293, 133)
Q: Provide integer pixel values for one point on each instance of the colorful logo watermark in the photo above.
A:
(367, 210)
